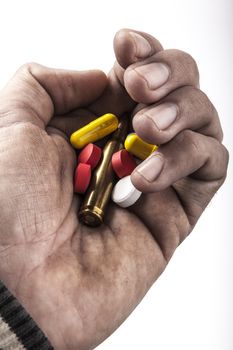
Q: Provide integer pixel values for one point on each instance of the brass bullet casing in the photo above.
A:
(103, 179)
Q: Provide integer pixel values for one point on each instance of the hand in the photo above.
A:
(78, 283)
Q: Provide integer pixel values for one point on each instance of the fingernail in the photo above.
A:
(163, 115)
(151, 167)
(156, 74)
(143, 47)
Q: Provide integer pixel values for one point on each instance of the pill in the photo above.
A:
(123, 163)
(94, 131)
(82, 177)
(139, 148)
(91, 155)
(124, 193)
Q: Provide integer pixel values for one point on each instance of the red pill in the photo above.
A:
(123, 163)
(91, 155)
(82, 177)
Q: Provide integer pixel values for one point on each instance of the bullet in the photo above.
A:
(99, 192)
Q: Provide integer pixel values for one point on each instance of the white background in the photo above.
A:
(190, 307)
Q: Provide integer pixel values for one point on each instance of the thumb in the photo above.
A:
(36, 93)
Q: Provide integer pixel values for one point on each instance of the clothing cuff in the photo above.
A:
(18, 331)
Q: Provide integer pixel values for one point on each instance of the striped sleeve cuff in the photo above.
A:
(18, 331)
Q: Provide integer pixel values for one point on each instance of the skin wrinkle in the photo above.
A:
(19, 219)
(54, 243)
(153, 42)
(196, 202)
(187, 98)
(191, 217)
(36, 222)
(56, 131)
(5, 249)
(33, 223)
(69, 83)
(134, 44)
(152, 120)
(145, 80)
(114, 72)
(144, 112)
(150, 229)
(136, 55)
(96, 277)
(24, 109)
(39, 85)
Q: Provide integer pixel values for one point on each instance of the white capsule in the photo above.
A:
(124, 193)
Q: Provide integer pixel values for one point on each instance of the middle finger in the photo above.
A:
(152, 79)
(184, 108)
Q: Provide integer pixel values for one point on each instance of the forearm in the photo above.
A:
(18, 330)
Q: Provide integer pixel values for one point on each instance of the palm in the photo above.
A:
(78, 283)
(83, 274)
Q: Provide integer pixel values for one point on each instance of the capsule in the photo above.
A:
(94, 131)
(139, 148)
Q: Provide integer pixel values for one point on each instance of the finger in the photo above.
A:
(184, 108)
(35, 93)
(130, 46)
(188, 154)
(152, 79)
(183, 202)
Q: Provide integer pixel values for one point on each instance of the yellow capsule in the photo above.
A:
(95, 130)
(138, 147)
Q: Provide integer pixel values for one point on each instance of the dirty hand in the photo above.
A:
(79, 284)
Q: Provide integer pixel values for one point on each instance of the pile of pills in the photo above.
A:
(123, 162)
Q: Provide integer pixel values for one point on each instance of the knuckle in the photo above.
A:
(217, 162)
(189, 141)
(184, 62)
(196, 95)
(204, 102)
(28, 136)
(196, 107)
(24, 131)
(209, 114)
(226, 156)
(26, 67)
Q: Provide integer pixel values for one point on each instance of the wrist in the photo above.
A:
(18, 329)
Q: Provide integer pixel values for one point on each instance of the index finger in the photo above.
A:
(130, 47)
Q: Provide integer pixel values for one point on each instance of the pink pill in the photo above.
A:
(91, 155)
(123, 163)
(82, 177)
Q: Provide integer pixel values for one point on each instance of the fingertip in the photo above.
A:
(145, 128)
(132, 46)
(138, 181)
(146, 175)
(124, 48)
(137, 87)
